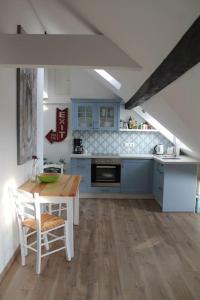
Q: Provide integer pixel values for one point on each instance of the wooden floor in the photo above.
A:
(124, 250)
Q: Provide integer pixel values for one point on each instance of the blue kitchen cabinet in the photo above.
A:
(136, 176)
(108, 116)
(82, 167)
(105, 190)
(174, 186)
(83, 116)
(95, 114)
(158, 182)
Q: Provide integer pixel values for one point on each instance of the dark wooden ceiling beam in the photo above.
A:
(184, 56)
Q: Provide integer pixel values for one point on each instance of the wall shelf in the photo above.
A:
(138, 130)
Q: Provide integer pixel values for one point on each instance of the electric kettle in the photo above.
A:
(159, 149)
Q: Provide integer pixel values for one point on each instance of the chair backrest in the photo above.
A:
(55, 168)
(27, 206)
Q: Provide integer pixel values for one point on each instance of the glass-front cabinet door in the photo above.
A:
(95, 115)
(107, 116)
(85, 116)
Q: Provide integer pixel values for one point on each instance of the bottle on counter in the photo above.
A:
(130, 123)
(125, 125)
(136, 125)
(145, 125)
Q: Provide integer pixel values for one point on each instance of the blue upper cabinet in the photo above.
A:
(83, 116)
(95, 114)
(108, 116)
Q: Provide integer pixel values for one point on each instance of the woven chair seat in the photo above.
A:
(47, 222)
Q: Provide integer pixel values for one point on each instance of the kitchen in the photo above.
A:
(131, 240)
(113, 149)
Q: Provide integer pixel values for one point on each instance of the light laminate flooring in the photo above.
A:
(124, 250)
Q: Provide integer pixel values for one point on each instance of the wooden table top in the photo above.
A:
(66, 186)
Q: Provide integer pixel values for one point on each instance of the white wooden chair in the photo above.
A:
(55, 168)
(32, 223)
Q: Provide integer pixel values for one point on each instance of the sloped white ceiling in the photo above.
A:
(178, 108)
(83, 85)
(146, 30)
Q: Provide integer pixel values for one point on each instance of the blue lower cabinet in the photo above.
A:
(136, 176)
(197, 206)
(174, 186)
(179, 190)
(160, 196)
(105, 190)
(82, 167)
(155, 180)
(158, 182)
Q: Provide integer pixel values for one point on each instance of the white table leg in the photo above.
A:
(76, 208)
(70, 219)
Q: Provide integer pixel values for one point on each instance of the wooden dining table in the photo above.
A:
(64, 190)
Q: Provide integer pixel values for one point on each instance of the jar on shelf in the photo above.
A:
(130, 123)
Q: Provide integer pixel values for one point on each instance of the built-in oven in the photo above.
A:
(105, 172)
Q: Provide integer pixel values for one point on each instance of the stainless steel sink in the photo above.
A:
(169, 157)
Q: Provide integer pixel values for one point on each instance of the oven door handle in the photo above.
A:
(106, 167)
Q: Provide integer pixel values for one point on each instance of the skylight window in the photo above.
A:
(109, 78)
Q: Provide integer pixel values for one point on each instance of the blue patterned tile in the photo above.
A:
(114, 142)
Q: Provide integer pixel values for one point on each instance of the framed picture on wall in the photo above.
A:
(26, 112)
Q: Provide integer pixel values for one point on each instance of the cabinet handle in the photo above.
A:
(160, 188)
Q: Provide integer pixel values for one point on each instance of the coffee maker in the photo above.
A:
(78, 146)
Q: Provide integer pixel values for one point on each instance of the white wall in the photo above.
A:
(148, 31)
(11, 174)
(73, 83)
(40, 120)
(83, 85)
(12, 13)
(177, 107)
(56, 151)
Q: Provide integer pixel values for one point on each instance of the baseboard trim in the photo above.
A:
(116, 196)
(9, 264)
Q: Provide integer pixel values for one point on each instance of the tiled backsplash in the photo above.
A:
(114, 142)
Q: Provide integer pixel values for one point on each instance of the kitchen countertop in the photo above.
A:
(128, 156)
(183, 159)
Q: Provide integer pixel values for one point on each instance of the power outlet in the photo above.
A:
(129, 145)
